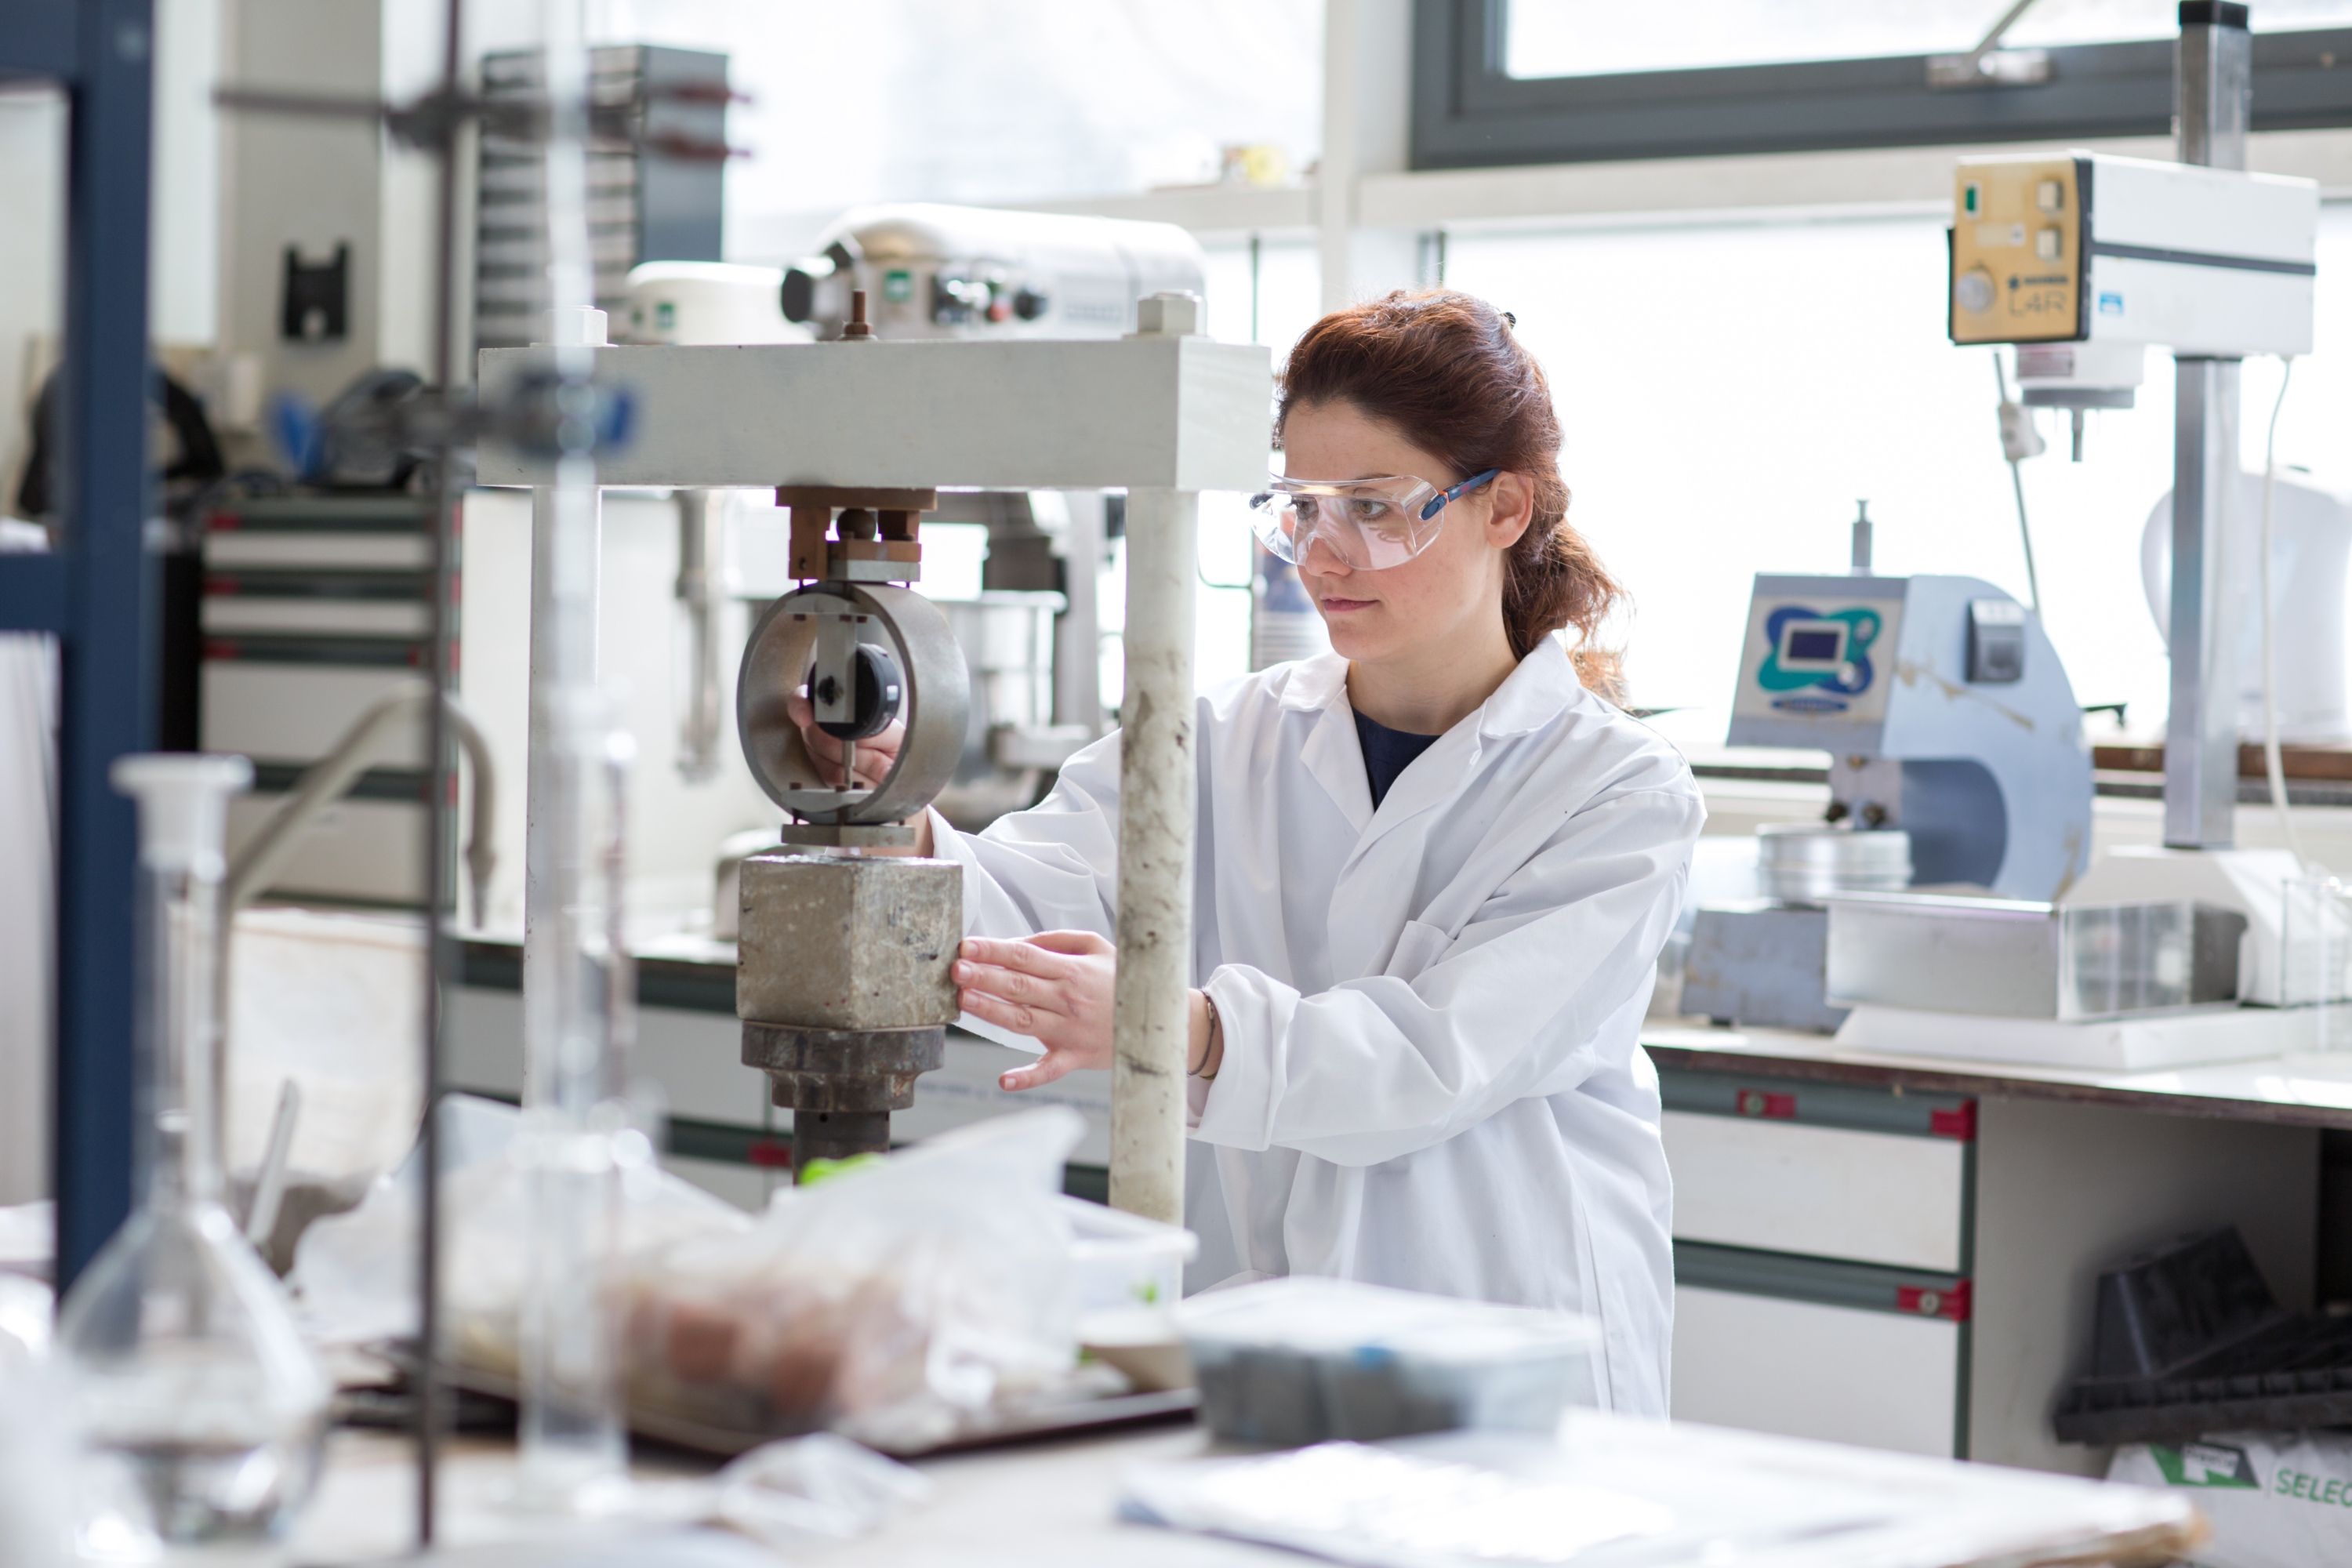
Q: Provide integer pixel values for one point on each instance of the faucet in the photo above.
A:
(324, 782)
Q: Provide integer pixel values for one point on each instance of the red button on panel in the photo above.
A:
(1763, 1102)
(1928, 1301)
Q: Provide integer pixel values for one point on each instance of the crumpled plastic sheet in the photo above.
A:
(794, 1495)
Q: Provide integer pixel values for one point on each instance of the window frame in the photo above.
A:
(1468, 111)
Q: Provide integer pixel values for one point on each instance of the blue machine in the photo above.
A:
(1945, 713)
(1947, 720)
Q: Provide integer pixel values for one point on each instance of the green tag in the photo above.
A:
(2204, 1465)
(897, 285)
(819, 1172)
(665, 315)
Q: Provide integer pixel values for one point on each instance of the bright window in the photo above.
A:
(950, 102)
(1602, 38)
(1267, 296)
(1729, 393)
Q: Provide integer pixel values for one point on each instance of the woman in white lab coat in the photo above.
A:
(1435, 869)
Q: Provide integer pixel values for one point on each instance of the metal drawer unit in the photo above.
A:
(1823, 1252)
(315, 608)
(655, 167)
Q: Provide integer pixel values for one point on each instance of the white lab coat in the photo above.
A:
(1432, 1077)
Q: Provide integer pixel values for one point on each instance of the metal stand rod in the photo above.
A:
(2213, 93)
(1157, 802)
(701, 586)
(2201, 738)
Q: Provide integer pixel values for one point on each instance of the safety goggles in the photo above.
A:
(1369, 524)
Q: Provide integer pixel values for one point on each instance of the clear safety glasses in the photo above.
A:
(1369, 523)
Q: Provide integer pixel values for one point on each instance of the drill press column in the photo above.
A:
(842, 973)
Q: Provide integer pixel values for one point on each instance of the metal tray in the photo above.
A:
(1015, 1424)
(2008, 958)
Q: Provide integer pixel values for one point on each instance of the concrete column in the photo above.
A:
(1157, 807)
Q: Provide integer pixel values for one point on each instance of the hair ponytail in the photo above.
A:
(1448, 373)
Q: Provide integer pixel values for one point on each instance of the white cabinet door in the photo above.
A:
(1843, 1374)
(1822, 1192)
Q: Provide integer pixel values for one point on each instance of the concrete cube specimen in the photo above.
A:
(848, 941)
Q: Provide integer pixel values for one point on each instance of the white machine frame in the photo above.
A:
(1165, 413)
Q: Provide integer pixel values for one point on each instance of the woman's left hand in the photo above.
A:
(1055, 986)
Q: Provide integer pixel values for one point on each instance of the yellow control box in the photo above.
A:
(2018, 248)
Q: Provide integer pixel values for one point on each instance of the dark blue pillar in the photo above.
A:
(107, 700)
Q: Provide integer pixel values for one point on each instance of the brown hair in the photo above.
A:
(1447, 372)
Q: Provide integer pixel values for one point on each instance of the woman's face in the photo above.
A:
(1440, 597)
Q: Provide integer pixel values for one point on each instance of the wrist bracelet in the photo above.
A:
(1216, 1027)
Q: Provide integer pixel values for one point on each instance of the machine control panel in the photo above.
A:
(1819, 651)
(2017, 250)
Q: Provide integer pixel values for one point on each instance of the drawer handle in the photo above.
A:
(1763, 1102)
(1928, 1301)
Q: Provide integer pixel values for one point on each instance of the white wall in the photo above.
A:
(184, 226)
(675, 827)
(32, 260)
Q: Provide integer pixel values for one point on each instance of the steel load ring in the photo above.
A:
(937, 709)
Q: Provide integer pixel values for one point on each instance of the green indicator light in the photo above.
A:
(1968, 199)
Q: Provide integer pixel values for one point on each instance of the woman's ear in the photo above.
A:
(1515, 509)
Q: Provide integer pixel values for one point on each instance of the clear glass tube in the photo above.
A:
(574, 1449)
(203, 1409)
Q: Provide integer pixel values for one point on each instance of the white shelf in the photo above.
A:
(1780, 186)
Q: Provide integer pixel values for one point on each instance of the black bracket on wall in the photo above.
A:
(314, 306)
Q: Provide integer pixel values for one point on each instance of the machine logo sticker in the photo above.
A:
(1821, 659)
(2111, 304)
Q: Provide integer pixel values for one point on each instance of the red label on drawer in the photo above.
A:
(1763, 1102)
(1959, 1122)
(1930, 1302)
(769, 1154)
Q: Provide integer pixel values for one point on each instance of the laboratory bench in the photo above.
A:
(1056, 1503)
(1902, 1251)
(1899, 1252)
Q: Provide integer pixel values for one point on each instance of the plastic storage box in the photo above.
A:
(1119, 1259)
(1307, 1361)
(2187, 1339)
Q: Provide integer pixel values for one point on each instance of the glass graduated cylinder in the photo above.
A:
(204, 1412)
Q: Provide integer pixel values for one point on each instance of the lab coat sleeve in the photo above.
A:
(1460, 1026)
(1051, 867)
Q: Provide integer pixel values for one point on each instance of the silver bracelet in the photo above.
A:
(1216, 1027)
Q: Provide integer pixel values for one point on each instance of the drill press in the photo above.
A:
(842, 980)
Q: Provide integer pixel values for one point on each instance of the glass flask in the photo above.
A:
(203, 1412)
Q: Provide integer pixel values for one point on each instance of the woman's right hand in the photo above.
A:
(875, 754)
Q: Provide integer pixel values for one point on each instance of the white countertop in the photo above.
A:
(2308, 1090)
(1050, 1505)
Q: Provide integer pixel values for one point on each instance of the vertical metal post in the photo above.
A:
(2213, 92)
(430, 1413)
(108, 680)
(1157, 803)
